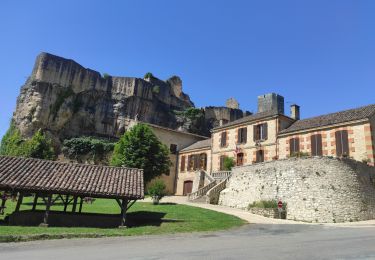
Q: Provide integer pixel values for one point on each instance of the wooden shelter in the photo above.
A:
(52, 180)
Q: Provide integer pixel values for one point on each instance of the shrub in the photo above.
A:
(228, 163)
(157, 189)
(106, 76)
(148, 75)
(96, 148)
(265, 204)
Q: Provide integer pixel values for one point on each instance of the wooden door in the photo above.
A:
(188, 187)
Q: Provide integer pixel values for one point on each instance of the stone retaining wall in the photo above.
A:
(316, 189)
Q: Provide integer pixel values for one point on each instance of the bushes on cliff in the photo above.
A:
(140, 148)
(229, 163)
(39, 146)
(92, 148)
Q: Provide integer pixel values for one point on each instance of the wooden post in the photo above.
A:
(2, 208)
(74, 204)
(19, 202)
(35, 201)
(48, 205)
(80, 205)
(124, 207)
(66, 202)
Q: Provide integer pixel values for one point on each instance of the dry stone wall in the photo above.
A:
(316, 189)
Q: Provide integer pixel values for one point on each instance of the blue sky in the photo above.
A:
(318, 54)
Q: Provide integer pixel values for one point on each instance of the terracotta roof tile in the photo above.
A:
(331, 119)
(34, 175)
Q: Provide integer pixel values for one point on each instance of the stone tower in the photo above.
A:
(271, 102)
(232, 103)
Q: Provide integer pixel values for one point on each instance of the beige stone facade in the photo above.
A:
(175, 141)
(249, 148)
(187, 170)
(360, 141)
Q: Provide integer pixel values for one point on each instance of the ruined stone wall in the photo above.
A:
(316, 189)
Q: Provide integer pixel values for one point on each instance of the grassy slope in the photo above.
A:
(190, 219)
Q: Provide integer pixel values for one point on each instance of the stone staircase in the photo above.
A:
(210, 193)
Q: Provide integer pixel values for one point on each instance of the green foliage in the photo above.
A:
(299, 154)
(190, 113)
(157, 189)
(39, 146)
(156, 89)
(96, 148)
(140, 148)
(229, 163)
(265, 204)
(61, 97)
(148, 75)
(106, 75)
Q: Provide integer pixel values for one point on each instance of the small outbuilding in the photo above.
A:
(70, 184)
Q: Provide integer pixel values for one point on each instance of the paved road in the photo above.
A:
(253, 241)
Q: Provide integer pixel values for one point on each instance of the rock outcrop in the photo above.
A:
(67, 100)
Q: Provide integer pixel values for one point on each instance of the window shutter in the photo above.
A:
(313, 145)
(244, 135)
(239, 135)
(256, 133)
(319, 147)
(265, 131)
(189, 163)
(297, 144)
(182, 167)
(196, 162)
(345, 142)
(338, 143)
(223, 139)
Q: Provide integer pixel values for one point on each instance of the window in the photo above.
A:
(173, 148)
(190, 163)
(260, 132)
(342, 144)
(293, 146)
(203, 161)
(223, 141)
(242, 135)
(316, 145)
(196, 162)
(182, 166)
(240, 157)
(260, 156)
(222, 158)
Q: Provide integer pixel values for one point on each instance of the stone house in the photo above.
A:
(269, 135)
(175, 141)
(193, 158)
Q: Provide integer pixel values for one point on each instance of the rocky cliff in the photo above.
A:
(67, 100)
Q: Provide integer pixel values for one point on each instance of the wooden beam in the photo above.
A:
(74, 204)
(19, 202)
(2, 208)
(35, 201)
(124, 206)
(131, 204)
(66, 203)
(46, 214)
(80, 205)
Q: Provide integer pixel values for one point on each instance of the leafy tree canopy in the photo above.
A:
(228, 163)
(39, 146)
(140, 148)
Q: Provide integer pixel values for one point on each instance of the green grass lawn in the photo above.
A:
(183, 219)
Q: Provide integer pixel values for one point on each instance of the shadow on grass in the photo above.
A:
(95, 220)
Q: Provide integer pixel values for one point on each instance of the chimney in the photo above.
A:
(294, 112)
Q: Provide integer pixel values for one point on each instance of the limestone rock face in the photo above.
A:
(68, 100)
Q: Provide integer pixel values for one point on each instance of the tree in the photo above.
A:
(140, 148)
(39, 146)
